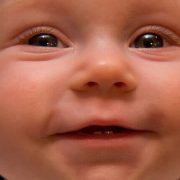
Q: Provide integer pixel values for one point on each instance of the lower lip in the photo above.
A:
(104, 140)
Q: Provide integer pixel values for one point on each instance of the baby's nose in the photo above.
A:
(104, 72)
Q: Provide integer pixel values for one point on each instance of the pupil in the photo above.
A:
(149, 41)
(45, 40)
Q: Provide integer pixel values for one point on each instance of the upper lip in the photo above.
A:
(98, 122)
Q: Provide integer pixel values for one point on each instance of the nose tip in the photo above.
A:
(103, 77)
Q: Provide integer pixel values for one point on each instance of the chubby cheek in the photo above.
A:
(160, 84)
(169, 101)
(28, 91)
(170, 104)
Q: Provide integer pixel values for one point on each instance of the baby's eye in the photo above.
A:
(45, 40)
(43, 36)
(149, 40)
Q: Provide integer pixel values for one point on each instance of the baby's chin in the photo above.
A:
(107, 172)
(118, 172)
(147, 168)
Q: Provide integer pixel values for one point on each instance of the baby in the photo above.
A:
(89, 89)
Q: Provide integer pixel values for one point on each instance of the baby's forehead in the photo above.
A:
(84, 7)
(89, 3)
(83, 12)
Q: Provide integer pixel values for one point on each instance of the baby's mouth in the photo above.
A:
(96, 131)
(100, 137)
(101, 130)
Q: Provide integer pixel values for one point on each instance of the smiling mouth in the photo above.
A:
(101, 132)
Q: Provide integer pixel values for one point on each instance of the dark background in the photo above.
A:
(1, 178)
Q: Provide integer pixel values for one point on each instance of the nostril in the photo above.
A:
(92, 84)
(119, 84)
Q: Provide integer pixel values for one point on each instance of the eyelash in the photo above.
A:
(24, 37)
(169, 36)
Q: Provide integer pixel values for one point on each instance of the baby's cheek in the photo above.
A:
(21, 111)
(169, 103)
(29, 90)
(24, 105)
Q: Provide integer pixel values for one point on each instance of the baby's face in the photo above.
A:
(89, 90)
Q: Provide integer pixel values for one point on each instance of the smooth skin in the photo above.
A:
(95, 72)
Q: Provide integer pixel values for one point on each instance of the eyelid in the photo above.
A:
(23, 37)
(169, 36)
